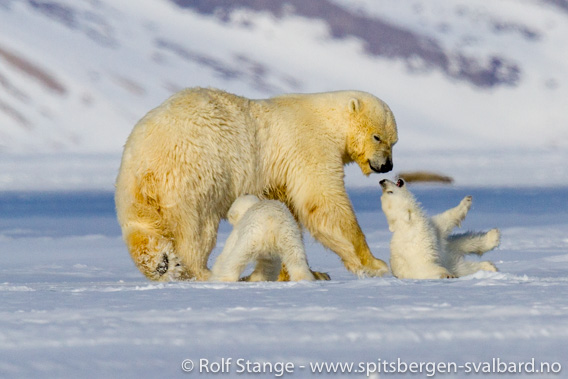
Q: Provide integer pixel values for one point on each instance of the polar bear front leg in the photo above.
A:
(293, 256)
(330, 220)
(194, 240)
(371, 266)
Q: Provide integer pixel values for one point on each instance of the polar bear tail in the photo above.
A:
(240, 207)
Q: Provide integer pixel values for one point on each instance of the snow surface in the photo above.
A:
(74, 305)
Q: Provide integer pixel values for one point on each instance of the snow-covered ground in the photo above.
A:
(74, 305)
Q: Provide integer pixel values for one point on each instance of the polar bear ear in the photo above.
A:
(354, 105)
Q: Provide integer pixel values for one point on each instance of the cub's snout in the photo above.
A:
(385, 184)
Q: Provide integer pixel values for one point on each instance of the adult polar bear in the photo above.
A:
(187, 160)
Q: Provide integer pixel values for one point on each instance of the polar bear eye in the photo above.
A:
(390, 192)
(377, 138)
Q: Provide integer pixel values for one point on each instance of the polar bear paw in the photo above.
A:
(492, 239)
(448, 276)
(487, 266)
(375, 267)
(463, 208)
(466, 201)
(284, 276)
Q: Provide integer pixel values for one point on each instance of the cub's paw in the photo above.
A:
(493, 238)
(467, 201)
(487, 266)
(256, 277)
(442, 273)
(465, 206)
(285, 276)
(448, 276)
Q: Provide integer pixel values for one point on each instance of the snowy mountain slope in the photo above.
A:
(381, 37)
(76, 75)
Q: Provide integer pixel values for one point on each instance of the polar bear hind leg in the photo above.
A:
(194, 240)
(472, 243)
(464, 268)
(267, 269)
(233, 260)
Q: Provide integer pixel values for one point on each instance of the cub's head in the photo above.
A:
(372, 133)
(240, 207)
(399, 205)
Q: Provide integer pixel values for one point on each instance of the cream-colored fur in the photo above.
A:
(264, 231)
(422, 248)
(187, 160)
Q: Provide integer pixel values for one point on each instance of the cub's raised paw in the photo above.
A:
(467, 201)
(465, 204)
(493, 238)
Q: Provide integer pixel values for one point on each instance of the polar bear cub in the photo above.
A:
(422, 247)
(266, 232)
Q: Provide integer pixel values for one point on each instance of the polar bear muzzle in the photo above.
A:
(381, 167)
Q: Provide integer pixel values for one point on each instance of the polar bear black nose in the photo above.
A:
(400, 183)
(387, 166)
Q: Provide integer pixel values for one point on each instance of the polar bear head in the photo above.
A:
(399, 205)
(372, 133)
(240, 207)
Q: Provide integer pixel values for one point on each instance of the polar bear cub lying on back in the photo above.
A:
(266, 232)
(422, 248)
